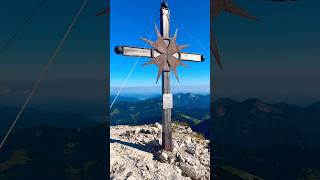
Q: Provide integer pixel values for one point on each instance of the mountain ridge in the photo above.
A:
(34, 117)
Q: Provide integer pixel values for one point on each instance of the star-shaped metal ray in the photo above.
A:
(166, 61)
(216, 6)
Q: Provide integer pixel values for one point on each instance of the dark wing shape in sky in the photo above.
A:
(217, 6)
(215, 50)
(228, 6)
(104, 12)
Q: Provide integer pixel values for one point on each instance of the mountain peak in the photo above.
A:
(257, 104)
(225, 101)
(253, 101)
(315, 105)
(136, 153)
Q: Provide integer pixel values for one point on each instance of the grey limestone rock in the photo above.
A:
(136, 153)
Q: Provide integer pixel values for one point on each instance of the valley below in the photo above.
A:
(250, 139)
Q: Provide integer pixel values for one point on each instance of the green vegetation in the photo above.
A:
(239, 173)
(18, 157)
(176, 124)
(114, 112)
(196, 136)
(68, 148)
(309, 174)
(135, 116)
(59, 153)
(192, 120)
(179, 123)
(76, 173)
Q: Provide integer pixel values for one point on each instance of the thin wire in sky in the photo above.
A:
(43, 73)
(193, 37)
(197, 41)
(18, 31)
(128, 76)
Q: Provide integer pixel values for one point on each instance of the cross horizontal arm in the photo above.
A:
(151, 53)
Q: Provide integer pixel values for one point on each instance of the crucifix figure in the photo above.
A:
(164, 53)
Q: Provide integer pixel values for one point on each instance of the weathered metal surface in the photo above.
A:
(167, 101)
(165, 53)
(166, 113)
(190, 57)
(118, 49)
(166, 60)
(138, 52)
(165, 21)
(152, 53)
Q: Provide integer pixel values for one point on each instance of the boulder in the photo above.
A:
(145, 159)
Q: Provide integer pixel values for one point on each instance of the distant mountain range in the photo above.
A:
(149, 111)
(34, 117)
(272, 141)
(251, 138)
(251, 123)
(179, 99)
(53, 153)
(254, 123)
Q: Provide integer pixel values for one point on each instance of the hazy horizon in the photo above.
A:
(274, 59)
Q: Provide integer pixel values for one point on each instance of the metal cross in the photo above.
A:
(165, 53)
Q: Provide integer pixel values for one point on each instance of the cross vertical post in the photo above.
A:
(167, 55)
(166, 111)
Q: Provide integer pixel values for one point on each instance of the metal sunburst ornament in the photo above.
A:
(167, 60)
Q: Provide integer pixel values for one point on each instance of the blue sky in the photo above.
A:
(275, 59)
(135, 19)
(78, 72)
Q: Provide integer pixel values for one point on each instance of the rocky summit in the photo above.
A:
(136, 153)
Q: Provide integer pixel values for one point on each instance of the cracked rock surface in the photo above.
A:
(135, 153)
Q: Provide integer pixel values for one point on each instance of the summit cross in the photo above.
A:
(165, 53)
